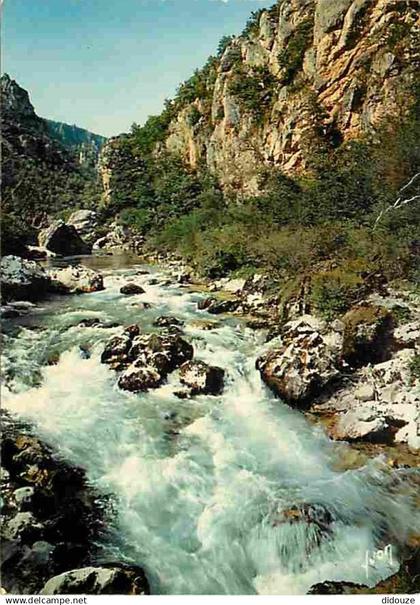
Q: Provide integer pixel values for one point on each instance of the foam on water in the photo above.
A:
(199, 483)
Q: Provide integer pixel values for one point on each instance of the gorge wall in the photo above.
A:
(302, 74)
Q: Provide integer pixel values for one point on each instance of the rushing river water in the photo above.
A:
(199, 483)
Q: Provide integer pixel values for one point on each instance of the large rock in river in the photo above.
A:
(202, 378)
(86, 223)
(305, 362)
(131, 288)
(75, 279)
(22, 279)
(146, 359)
(63, 239)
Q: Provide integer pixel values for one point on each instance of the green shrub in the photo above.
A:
(334, 291)
(415, 367)
(255, 90)
(194, 116)
(15, 234)
(144, 138)
(139, 219)
(252, 25)
(291, 57)
(223, 44)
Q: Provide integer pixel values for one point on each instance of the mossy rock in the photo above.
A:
(368, 335)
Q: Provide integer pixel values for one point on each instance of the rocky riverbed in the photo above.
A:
(149, 387)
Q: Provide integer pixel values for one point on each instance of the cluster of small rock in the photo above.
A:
(146, 360)
(51, 521)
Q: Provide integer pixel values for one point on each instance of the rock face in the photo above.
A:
(84, 145)
(22, 279)
(368, 335)
(202, 378)
(32, 155)
(146, 360)
(86, 223)
(63, 239)
(75, 280)
(307, 360)
(330, 70)
(99, 580)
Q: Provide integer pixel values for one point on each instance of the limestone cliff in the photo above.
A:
(303, 73)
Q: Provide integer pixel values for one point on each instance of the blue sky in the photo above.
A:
(103, 64)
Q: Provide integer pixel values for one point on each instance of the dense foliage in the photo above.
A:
(291, 57)
(320, 228)
(255, 90)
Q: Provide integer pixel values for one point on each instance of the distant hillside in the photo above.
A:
(85, 144)
(40, 175)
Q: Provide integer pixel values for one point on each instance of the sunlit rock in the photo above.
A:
(307, 360)
(202, 378)
(76, 279)
(22, 279)
(114, 579)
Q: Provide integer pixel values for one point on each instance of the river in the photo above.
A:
(199, 483)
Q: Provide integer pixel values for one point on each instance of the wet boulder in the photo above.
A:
(164, 352)
(307, 360)
(364, 424)
(205, 303)
(48, 509)
(202, 378)
(22, 279)
(23, 497)
(315, 520)
(138, 377)
(145, 359)
(334, 588)
(75, 279)
(131, 289)
(316, 514)
(116, 351)
(96, 322)
(167, 321)
(112, 579)
(23, 526)
(216, 307)
(63, 239)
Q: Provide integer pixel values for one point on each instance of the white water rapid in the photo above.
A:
(198, 483)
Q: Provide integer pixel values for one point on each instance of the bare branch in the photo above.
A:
(400, 201)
